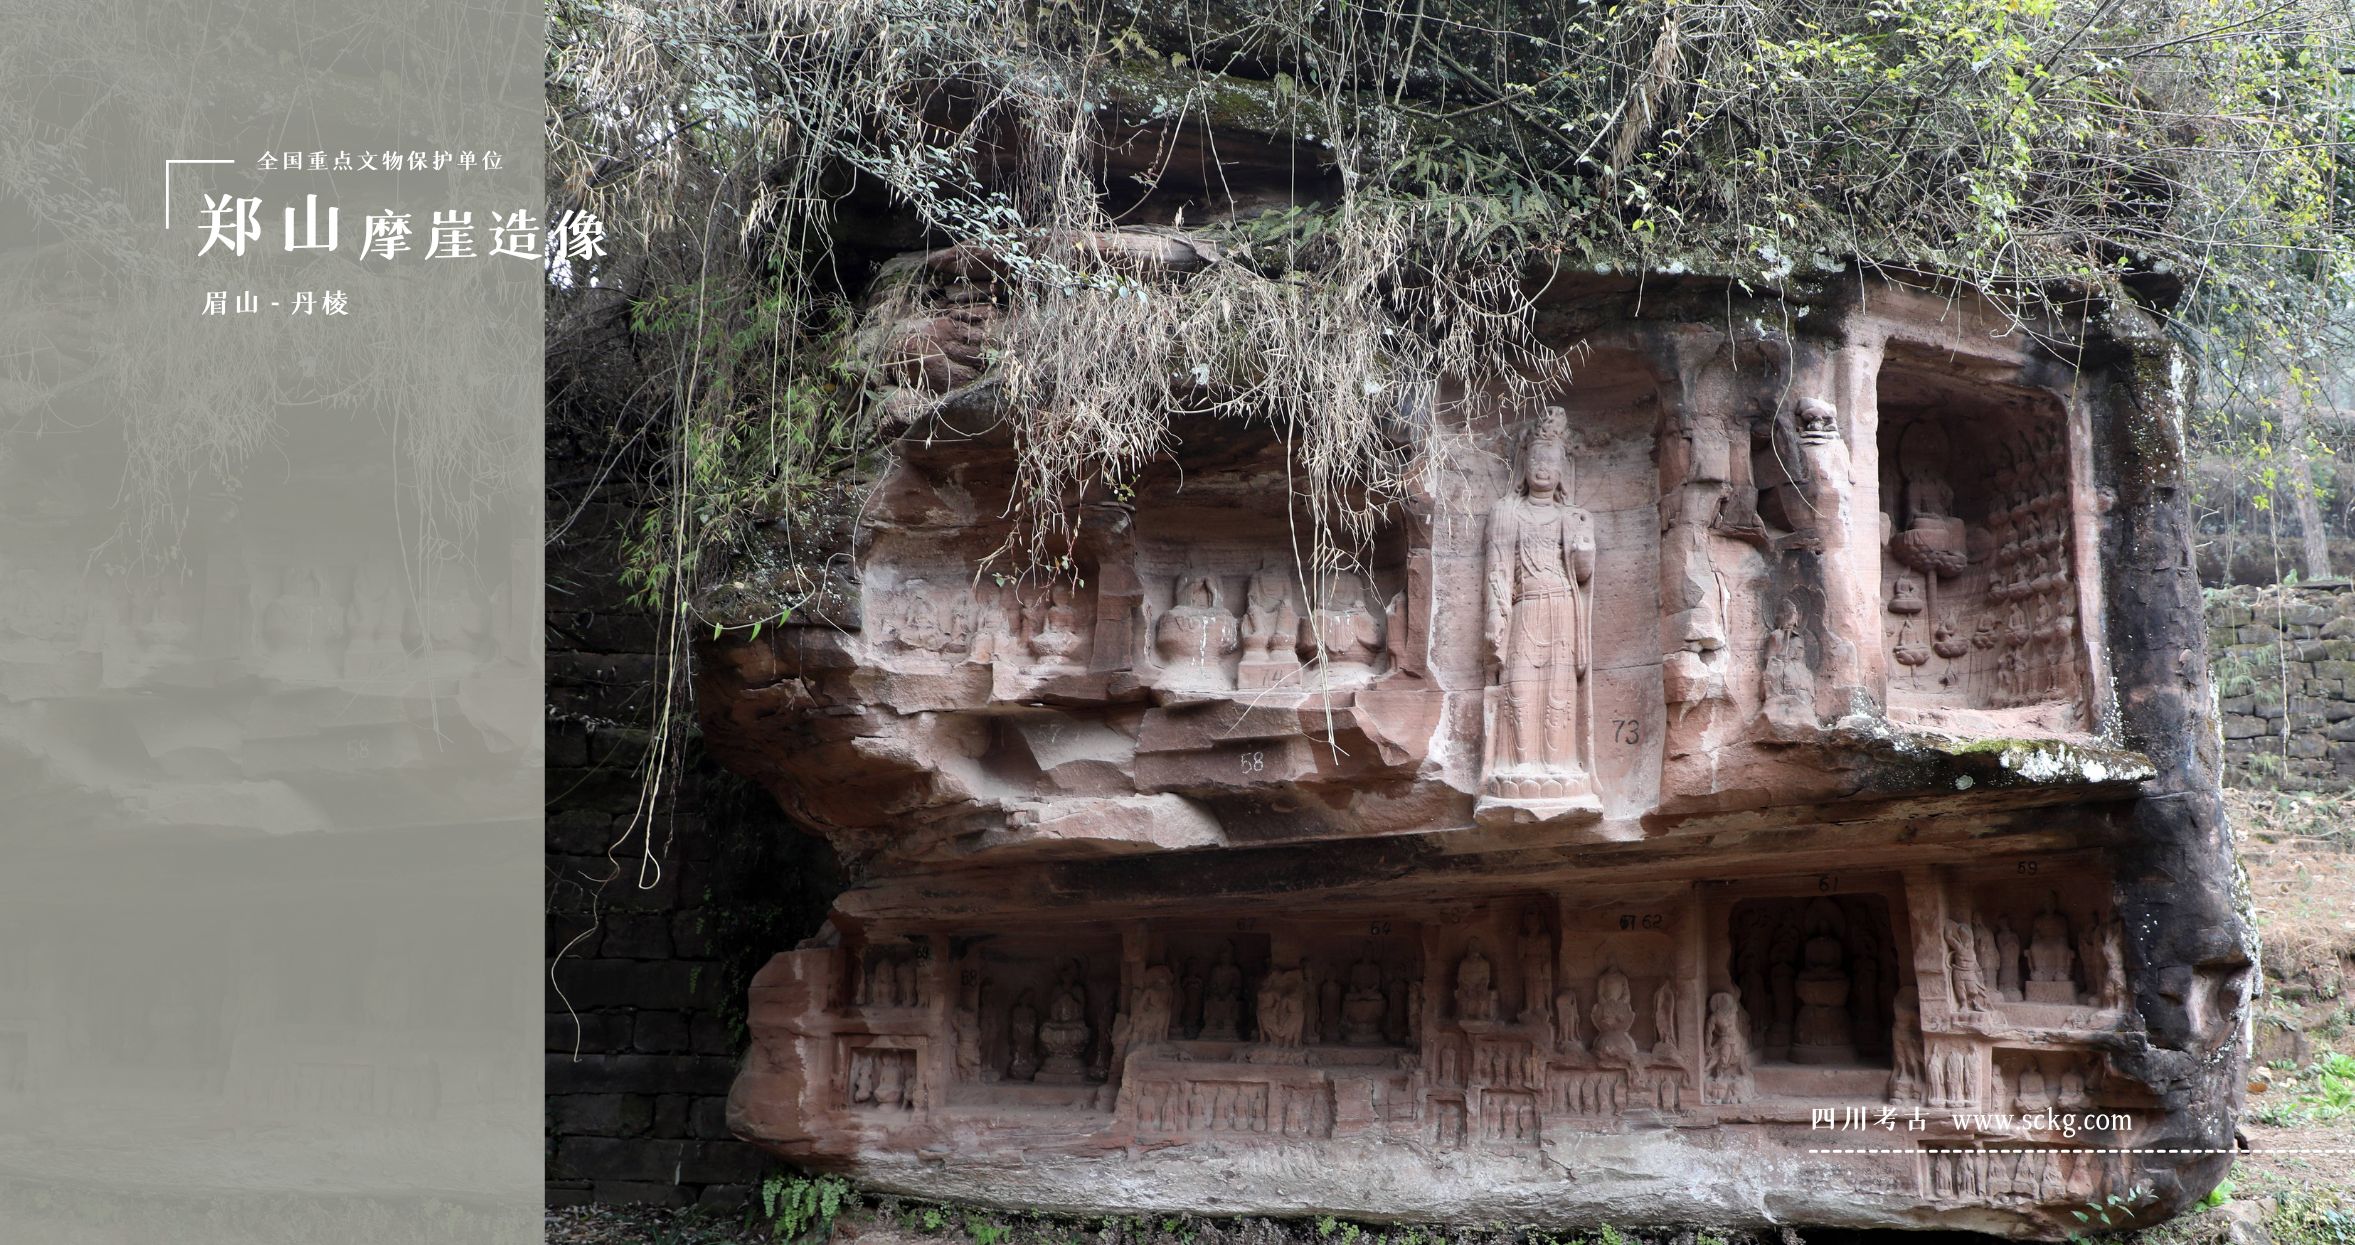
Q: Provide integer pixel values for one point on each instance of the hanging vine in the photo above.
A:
(1456, 156)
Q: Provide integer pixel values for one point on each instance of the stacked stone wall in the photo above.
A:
(2284, 664)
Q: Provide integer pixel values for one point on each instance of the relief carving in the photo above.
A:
(1282, 1007)
(1475, 988)
(965, 1026)
(1271, 628)
(2052, 976)
(1908, 1070)
(1962, 968)
(1222, 1001)
(1054, 630)
(1599, 1093)
(1343, 639)
(1614, 1015)
(2007, 961)
(2010, 1175)
(1569, 1036)
(1508, 1118)
(920, 626)
(1022, 1037)
(1726, 1075)
(1196, 635)
(1821, 1033)
(882, 1077)
(1786, 681)
(1665, 1049)
(893, 977)
(1065, 1034)
(2112, 992)
(1955, 1078)
(1723, 891)
(1537, 969)
(1151, 1012)
(1541, 557)
(1365, 1008)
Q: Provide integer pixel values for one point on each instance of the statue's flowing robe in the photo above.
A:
(1540, 559)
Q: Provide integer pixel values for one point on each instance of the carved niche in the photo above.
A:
(1982, 572)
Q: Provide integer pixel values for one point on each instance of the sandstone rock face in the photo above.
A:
(1771, 782)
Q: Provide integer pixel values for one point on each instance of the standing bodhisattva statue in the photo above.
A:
(1541, 555)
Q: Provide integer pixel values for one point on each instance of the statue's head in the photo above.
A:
(1818, 420)
(1267, 585)
(1542, 467)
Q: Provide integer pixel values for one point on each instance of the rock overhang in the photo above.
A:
(1735, 740)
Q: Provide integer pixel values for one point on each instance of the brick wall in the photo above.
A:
(2284, 665)
(654, 976)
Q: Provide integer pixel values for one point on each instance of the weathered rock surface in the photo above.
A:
(1773, 783)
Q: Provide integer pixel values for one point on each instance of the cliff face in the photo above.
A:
(1771, 780)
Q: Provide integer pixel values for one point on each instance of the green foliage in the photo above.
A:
(2323, 1093)
(799, 1206)
(2113, 1211)
(2040, 149)
(2319, 1217)
(1458, 158)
